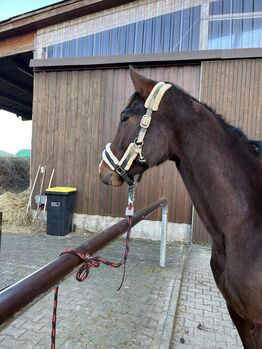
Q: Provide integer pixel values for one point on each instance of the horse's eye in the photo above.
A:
(124, 117)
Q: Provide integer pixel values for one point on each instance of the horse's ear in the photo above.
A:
(142, 85)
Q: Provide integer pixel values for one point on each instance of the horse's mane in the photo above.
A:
(254, 146)
(251, 144)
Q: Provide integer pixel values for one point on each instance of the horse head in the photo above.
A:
(141, 140)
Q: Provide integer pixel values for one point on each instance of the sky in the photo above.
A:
(16, 134)
(11, 8)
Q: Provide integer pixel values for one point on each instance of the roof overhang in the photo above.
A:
(49, 15)
(16, 85)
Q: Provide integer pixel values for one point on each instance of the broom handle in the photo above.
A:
(32, 190)
(49, 185)
(40, 193)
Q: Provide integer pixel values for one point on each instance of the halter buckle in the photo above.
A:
(120, 171)
(145, 121)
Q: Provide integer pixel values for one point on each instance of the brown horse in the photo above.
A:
(222, 172)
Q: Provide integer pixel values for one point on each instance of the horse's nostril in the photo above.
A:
(106, 179)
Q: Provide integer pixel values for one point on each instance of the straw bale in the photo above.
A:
(13, 207)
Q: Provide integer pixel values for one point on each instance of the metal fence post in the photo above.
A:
(164, 208)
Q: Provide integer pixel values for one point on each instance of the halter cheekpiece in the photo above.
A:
(135, 149)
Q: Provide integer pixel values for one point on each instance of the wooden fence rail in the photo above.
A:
(19, 297)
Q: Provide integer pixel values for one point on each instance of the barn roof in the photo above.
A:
(16, 48)
(16, 85)
(53, 14)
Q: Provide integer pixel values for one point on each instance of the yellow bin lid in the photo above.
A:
(61, 190)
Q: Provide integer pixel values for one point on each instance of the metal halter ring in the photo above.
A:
(139, 145)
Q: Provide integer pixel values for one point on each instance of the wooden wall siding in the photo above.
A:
(17, 44)
(75, 113)
(233, 89)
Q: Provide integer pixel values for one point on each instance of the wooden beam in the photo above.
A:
(15, 100)
(15, 84)
(24, 115)
(24, 70)
(17, 44)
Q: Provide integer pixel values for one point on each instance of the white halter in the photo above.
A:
(134, 149)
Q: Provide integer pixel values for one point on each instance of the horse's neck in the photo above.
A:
(216, 173)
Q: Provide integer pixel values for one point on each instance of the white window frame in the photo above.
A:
(206, 19)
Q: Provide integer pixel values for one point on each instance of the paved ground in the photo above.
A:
(202, 320)
(93, 315)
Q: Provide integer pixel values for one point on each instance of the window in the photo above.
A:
(156, 26)
(236, 33)
(177, 31)
(235, 24)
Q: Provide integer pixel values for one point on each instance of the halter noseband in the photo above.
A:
(134, 149)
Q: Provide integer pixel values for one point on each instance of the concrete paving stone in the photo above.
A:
(93, 314)
(184, 346)
(30, 336)
(202, 320)
(13, 343)
(14, 332)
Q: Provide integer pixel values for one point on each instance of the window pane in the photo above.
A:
(73, 48)
(105, 43)
(257, 5)
(257, 33)
(57, 50)
(139, 37)
(130, 39)
(238, 33)
(195, 28)
(237, 6)
(89, 45)
(113, 41)
(185, 30)
(175, 31)
(158, 37)
(147, 36)
(221, 7)
(166, 33)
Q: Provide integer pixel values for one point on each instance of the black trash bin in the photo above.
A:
(60, 209)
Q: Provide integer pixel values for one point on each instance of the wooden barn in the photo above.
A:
(80, 51)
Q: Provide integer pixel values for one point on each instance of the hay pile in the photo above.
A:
(13, 207)
(14, 174)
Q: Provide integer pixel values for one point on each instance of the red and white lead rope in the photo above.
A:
(94, 262)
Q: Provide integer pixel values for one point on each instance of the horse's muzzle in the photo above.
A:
(108, 176)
